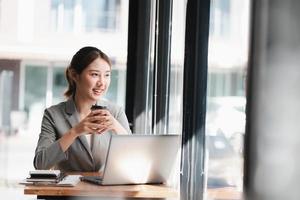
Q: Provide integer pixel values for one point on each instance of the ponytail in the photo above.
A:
(71, 85)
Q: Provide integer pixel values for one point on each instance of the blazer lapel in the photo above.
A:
(73, 120)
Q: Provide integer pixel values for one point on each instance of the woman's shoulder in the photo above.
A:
(57, 107)
(112, 107)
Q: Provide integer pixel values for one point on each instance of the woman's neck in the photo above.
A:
(83, 106)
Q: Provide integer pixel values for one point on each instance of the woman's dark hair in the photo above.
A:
(79, 62)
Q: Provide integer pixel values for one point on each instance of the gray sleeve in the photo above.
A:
(48, 151)
(122, 119)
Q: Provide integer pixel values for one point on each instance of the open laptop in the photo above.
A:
(138, 159)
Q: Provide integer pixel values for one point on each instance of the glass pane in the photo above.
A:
(225, 118)
(35, 94)
(104, 13)
(62, 15)
(177, 62)
(117, 88)
(68, 14)
(59, 84)
(6, 83)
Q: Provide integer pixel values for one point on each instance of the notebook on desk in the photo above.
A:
(138, 159)
(67, 181)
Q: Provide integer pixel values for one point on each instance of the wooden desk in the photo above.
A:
(84, 189)
(224, 193)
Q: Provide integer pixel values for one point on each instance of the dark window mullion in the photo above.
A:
(162, 66)
(194, 99)
(138, 103)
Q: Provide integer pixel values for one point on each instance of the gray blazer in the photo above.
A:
(58, 120)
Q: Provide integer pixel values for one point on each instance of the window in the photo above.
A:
(100, 14)
(35, 86)
(117, 88)
(6, 82)
(59, 84)
(226, 101)
(177, 62)
(86, 16)
(220, 17)
(35, 95)
(62, 15)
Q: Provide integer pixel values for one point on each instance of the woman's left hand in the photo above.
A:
(107, 122)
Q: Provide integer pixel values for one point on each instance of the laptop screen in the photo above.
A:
(134, 159)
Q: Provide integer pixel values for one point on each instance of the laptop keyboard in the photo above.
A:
(92, 179)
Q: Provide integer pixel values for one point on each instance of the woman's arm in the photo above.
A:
(68, 138)
(48, 151)
(51, 150)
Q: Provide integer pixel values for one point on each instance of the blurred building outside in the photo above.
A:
(226, 101)
(38, 40)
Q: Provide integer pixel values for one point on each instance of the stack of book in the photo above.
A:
(45, 176)
(50, 178)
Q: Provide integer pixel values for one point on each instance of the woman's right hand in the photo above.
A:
(87, 125)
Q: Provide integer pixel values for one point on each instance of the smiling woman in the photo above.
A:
(90, 81)
(73, 137)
